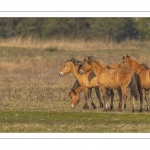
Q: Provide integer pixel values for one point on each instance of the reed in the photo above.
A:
(72, 45)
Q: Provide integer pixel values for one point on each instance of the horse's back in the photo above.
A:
(113, 66)
(145, 78)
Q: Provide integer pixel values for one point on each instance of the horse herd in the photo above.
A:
(92, 74)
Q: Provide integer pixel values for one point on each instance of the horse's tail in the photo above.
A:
(136, 87)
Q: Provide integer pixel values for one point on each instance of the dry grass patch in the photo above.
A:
(73, 45)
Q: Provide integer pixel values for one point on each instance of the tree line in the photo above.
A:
(108, 29)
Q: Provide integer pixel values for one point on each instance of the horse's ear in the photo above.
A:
(124, 56)
(127, 55)
(66, 60)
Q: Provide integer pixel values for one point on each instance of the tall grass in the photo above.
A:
(73, 45)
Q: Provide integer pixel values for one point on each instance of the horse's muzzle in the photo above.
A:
(60, 74)
(72, 106)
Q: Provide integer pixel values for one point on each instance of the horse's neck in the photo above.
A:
(78, 89)
(74, 70)
(136, 67)
(97, 68)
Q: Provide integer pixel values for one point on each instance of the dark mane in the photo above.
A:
(76, 61)
(108, 67)
(145, 65)
(91, 58)
(76, 84)
(72, 90)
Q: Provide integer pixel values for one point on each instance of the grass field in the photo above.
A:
(33, 98)
(73, 122)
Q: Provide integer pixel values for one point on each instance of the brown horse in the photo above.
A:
(114, 66)
(74, 94)
(120, 78)
(142, 70)
(89, 80)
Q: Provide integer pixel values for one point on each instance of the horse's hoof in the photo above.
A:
(105, 109)
(85, 107)
(119, 106)
(93, 105)
(125, 106)
(120, 110)
(101, 105)
(111, 107)
(141, 110)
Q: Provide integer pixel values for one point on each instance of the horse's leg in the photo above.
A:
(146, 98)
(125, 105)
(104, 95)
(85, 89)
(133, 104)
(112, 98)
(89, 95)
(123, 91)
(107, 97)
(99, 96)
(120, 97)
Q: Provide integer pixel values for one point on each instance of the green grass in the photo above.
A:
(64, 122)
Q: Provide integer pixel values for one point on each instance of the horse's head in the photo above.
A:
(126, 61)
(68, 65)
(65, 69)
(75, 98)
(87, 64)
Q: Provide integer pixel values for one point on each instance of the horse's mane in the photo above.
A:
(72, 90)
(127, 56)
(91, 59)
(76, 61)
(108, 67)
(145, 65)
(76, 84)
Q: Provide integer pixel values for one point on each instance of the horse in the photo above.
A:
(142, 70)
(75, 91)
(74, 94)
(89, 80)
(119, 78)
(114, 66)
